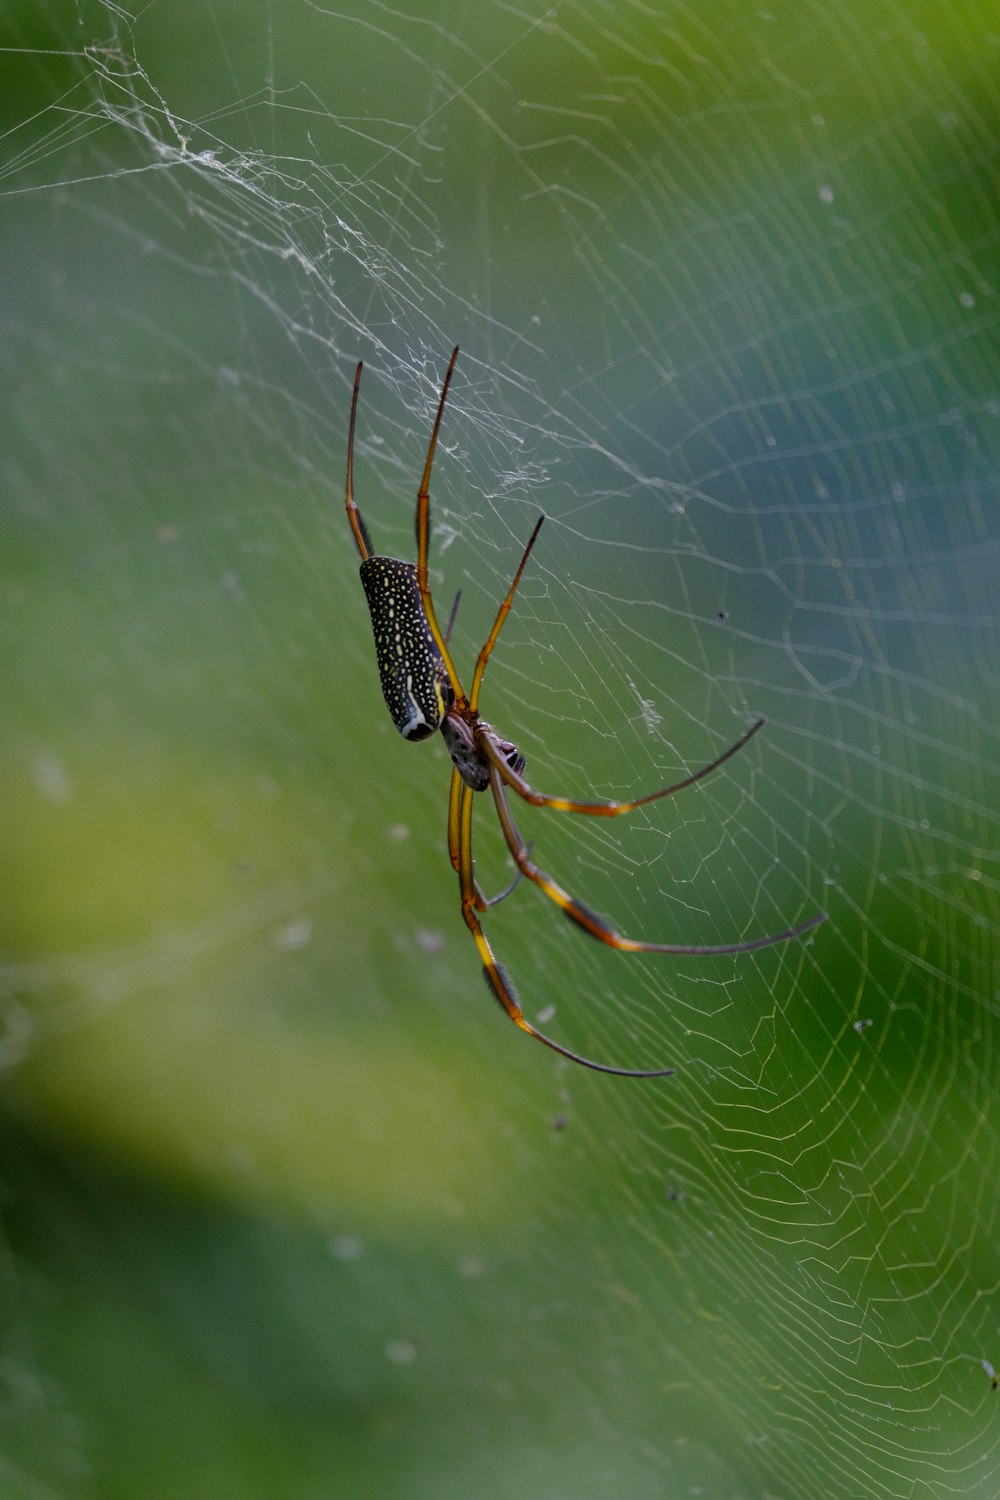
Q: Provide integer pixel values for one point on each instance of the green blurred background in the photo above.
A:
(288, 1208)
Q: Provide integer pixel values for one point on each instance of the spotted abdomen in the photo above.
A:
(415, 682)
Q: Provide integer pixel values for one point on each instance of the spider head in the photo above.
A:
(472, 765)
(469, 761)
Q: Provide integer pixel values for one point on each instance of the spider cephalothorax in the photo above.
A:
(463, 734)
(423, 692)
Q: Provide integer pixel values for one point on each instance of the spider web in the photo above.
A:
(285, 1197)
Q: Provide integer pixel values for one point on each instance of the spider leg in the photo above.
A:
(423, 542)
(362, 539)
(508, 890)
(483, 903)
(597, 926)
(454, 819)
(502, 613)
(491, 748)
(496, 976)
(452, 617)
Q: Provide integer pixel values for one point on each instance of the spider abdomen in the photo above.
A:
(414, 678)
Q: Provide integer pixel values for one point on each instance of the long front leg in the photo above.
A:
(362, 540)
(423, 543)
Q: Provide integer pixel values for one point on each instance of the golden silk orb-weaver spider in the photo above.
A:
(423, 692)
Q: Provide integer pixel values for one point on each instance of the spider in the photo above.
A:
(423, 692)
